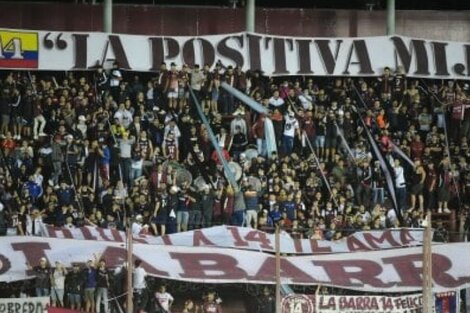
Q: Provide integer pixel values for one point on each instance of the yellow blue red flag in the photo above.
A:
(19, 49)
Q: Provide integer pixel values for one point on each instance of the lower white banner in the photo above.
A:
(413, 303)
(393, 270)
(24, 305)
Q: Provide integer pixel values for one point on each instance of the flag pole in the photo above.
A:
(427, 265)
(130, 290)
(278, 268)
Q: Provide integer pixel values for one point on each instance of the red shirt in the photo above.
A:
(215, 156)
(416, 149)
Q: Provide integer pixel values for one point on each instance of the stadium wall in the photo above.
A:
(172, 21)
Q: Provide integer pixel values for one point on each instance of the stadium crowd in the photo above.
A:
(97, 148)
(91, 148)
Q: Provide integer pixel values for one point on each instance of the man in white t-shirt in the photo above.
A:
(139, 284)
(291, 128)
(165, 299)
(115, 80)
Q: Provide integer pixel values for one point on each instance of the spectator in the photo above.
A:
(42, 272)
(90, 274)
(164, 299)
(58, 284)
(140, 286)
(102, 286)
(211, 304)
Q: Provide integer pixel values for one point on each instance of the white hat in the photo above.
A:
(82, 118)
(139, 217)
(291, 114)
(174, 189)
(69, 136)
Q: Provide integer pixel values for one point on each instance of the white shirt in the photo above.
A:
(116, 74)
(277, 102)
(136, 228)
(124, 117)
(238, 122)
(290, 126)
(38, 226)
(139, 278)
(399, 177)
(164, 299)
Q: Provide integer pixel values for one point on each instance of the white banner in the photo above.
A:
(393, 270)
(252, 239)
(447, 302)
(352, 304)
(275, 55)
(24, 305)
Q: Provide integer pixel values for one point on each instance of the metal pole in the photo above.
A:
(278, 268)
(390, 17)
(427, 266)
(108, 16)
(130, 266)
(250, 16)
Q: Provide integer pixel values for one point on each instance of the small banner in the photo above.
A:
(446, 302)
(24, 305)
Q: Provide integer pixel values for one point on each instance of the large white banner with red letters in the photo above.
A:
(393, 270)
(252, 239)
(274, 55)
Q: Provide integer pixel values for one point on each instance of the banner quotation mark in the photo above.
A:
(59, 42)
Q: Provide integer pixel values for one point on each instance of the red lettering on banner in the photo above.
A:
(385, 236)
(261, 237)
(441, 264)
(367, 272)
(239, 242)
(355, 244)
(32, 251)
(208, 266)
(288, 271)
(298, 245)
(199, 239)
(115, 256)
(410, 274)
(318, 249)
